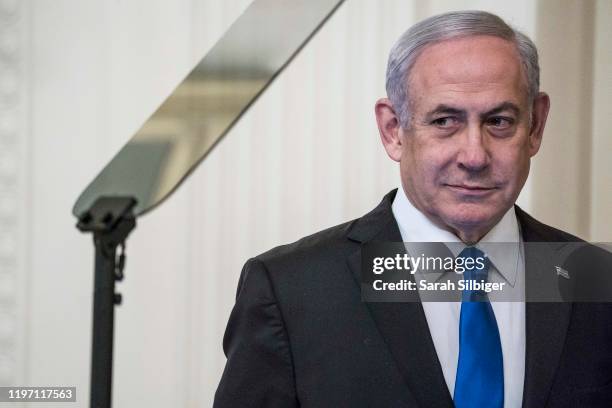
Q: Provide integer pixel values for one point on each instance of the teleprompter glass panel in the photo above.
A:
(207, 103)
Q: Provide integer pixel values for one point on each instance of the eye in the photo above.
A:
(445, 122)
(500, 122)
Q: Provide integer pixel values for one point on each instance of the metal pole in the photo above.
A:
(111, 220)
(103, 323)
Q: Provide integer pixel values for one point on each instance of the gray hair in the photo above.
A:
(448, 26)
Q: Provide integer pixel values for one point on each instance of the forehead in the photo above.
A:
(482, 67)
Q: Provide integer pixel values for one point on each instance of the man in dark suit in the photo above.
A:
(463, 118)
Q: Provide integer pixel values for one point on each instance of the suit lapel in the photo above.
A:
(402, 325)
(546, 323)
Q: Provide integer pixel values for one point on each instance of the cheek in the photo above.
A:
(519, 173)
(513, 158)
(435, 162)
(432, 172)
(512, 167)
(425, 170)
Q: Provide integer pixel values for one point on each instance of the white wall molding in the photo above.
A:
(14, 168)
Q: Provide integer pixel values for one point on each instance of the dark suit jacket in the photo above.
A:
(299, 334)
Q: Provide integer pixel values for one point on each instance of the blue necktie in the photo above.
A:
(480, 370)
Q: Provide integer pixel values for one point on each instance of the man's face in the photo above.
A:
(465, 155)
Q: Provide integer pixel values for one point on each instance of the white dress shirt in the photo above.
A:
(443, 317)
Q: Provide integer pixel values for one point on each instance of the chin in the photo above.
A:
(468, 216)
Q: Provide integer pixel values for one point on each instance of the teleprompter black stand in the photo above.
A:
(111, 220)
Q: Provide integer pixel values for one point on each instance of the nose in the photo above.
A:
(473, 155)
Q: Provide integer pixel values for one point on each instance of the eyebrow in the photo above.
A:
(451, 110)
(504, 106)
(446, 110)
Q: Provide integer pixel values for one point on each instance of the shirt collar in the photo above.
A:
(414, 226)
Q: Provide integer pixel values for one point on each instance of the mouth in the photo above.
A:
(471, 189)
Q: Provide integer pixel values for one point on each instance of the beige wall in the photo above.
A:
(563, 171)
(600, 201)
(306, 156)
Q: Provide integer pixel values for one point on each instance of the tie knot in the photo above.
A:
(475, 266)
(473, 262)
(471, 252)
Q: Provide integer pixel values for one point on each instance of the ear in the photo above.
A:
(389, 128)
(541, 106)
